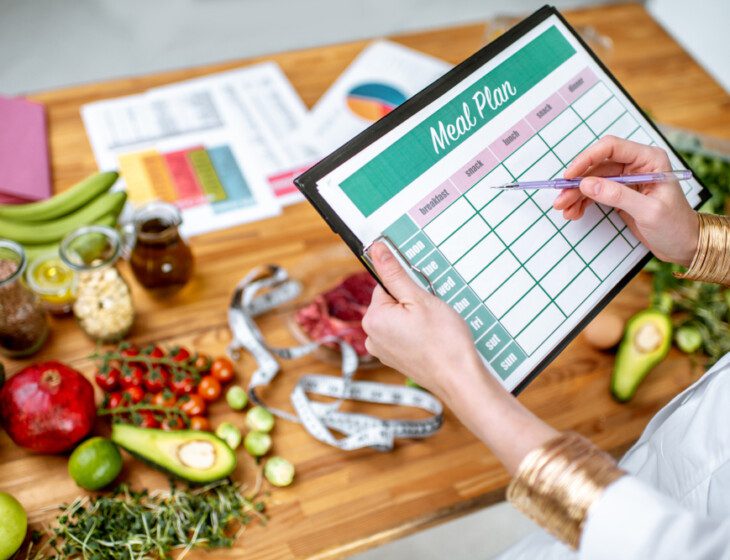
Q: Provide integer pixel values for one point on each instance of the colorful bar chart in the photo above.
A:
(189, 177)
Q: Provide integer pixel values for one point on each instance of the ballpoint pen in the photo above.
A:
(629, 179)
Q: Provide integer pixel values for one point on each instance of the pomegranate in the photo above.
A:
(47, 407)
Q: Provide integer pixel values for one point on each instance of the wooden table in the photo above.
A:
(346, 502)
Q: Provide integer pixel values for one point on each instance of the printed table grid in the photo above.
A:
(456, 253)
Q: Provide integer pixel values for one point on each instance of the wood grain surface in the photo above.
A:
(345, 502)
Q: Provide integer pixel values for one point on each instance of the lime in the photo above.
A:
(13, 526)
(95, 463)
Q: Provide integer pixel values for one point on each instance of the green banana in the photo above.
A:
(48, 232)
(32, 252)
(63, 203)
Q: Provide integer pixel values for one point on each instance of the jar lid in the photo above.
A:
(12, 261)
(90, 248)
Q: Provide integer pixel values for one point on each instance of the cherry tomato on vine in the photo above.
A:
(164, 398)
(147, 419)
(108, 379)
(200, 424)
(180, 354)
(182, 384)
(172, 423)
(156, 352)
(193, 405)
(202, 363)
(113, 400)
(209, 388)
(133, 395)
(156, 379)
(131, 376)
(222, 369)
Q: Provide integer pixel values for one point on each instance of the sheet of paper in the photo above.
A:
(217, 146)
(520, 275)
(381, 77)
(260, 106)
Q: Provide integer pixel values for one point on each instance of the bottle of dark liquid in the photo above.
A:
(161, 259)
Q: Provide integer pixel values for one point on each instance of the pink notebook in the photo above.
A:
(24, 168)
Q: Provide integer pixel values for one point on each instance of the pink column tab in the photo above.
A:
(433, 204)
(546, 111)
(466, 177)
(511, 139)
(578, 85)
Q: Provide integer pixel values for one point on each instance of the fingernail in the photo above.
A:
(591, 186)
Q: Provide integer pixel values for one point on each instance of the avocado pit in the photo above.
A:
(197, 454)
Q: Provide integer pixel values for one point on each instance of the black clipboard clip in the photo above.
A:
(400, 257)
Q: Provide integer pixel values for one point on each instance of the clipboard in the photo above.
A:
(309, 182)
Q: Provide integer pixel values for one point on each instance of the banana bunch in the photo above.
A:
(40, 226)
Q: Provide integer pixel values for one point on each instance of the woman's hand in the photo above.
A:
(416, 333)
(657, 214)
(422, 337)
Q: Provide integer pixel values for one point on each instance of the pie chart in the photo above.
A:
(371, 101)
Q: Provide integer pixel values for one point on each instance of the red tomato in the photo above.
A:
(108, 379)
(173, 423)
(222, 369)
(148, 419)
(133, 395)
(156, 379)
(132, 376)
(193, 405)
(156, 352)
(202, 363)
(180, 354)
(199, 423)
(164, 398)
(209, 388)
(113, 400)
(182, 384)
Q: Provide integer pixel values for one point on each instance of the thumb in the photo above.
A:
(617, 195)
(391, 273)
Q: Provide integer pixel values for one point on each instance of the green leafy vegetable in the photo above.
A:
(148, 525)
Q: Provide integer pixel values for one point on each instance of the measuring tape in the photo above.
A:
(264, 289)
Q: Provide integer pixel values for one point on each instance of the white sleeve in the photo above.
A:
(632, 521)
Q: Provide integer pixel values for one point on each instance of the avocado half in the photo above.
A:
(198, 457)
(646, 342)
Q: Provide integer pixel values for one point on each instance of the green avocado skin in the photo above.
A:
(158, 449)
(632, 365)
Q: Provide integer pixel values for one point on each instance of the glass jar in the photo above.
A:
(160, 258)
(53, 282)
(23, 321)
(103, 305)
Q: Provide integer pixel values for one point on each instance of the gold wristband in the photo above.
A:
(711, 262)
(556, 484)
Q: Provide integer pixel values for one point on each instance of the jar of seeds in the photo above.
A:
(103, 305)
(23, 321)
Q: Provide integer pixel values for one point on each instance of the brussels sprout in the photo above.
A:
(236, 398)
(259, 419)
(230, 434)
(279, 472)
(257, 444)
(688, 339)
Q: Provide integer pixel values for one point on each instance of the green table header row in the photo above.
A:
(407, 158)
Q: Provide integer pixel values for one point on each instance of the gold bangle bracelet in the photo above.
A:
(556, 484)
(711, 262)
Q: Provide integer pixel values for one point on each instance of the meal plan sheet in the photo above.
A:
(523, 278)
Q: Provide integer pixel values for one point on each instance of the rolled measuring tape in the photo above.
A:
(266, 288)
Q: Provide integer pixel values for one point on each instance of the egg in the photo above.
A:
(605, 331)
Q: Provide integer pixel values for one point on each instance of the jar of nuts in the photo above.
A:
(103, 305)
(23, 321)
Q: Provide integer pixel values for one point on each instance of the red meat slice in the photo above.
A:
(339, 311)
